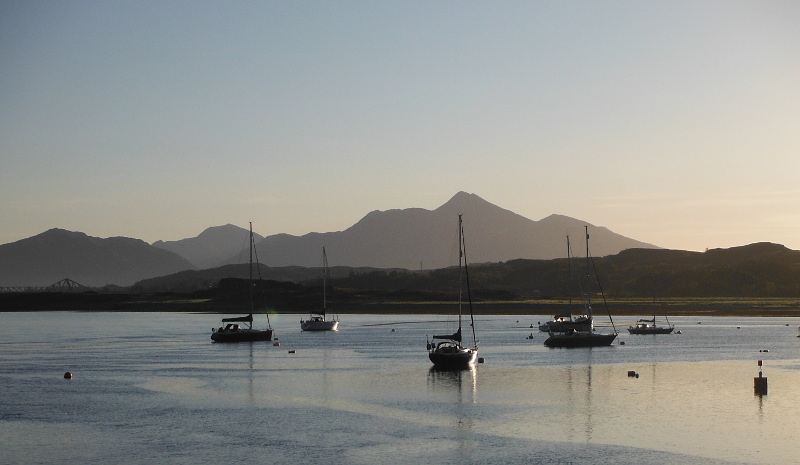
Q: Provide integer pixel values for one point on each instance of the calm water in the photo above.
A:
(153, 389)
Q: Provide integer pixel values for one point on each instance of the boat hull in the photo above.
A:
(242, 335)
(564, 325)
(319, 325)
(656, 330)
(461, 357)
(579, 339)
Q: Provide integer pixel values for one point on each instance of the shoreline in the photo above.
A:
(684, 306)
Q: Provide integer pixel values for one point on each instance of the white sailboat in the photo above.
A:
(451, 353)
(584, 338)
(233, 331)
(318, 321)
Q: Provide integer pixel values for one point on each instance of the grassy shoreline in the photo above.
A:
(616, 307)
(683, 306)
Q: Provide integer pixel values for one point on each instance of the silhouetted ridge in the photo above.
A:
(56, 254)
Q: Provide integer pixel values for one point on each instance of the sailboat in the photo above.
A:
(644, 326)
(233, 331)
(586, 338)
(317, 320)
(450, 353)
(566, 322)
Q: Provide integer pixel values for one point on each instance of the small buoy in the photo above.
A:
(678, 332)
(760, 383)
(393, 330)
(276, 344)
(68, 375)
(480, 359)
(291, 351)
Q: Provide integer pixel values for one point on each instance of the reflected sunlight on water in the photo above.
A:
(706, 408)
(160, 389)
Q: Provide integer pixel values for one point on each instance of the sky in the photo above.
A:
(675, 123)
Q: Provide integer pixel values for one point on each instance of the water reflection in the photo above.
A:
(579, 400)
(458, 388)
(250, 386)
(460, 380)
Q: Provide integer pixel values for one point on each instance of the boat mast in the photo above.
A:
(463, 247)
(460, 257)
(588, 277)
(569, 274)
(324, 281)
(251, 268)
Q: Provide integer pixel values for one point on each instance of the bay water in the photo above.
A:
(151, 388)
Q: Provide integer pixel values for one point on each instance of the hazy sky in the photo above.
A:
(675, 123)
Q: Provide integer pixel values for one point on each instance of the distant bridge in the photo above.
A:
(65, 285)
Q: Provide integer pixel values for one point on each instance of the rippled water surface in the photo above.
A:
(152, 388)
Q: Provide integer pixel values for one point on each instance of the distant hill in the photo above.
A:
(212, 247)
(417, 238)
(757, 270)
(194, 280)
(56, 254)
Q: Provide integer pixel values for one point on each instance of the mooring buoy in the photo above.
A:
(68, 375)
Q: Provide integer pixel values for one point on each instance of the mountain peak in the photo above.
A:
(212, 246)
(463, 200)
(59, 232)
(415, 238)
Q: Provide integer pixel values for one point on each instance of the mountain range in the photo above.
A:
(412, 238)
(415, 238)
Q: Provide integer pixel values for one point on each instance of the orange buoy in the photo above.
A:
(68, 375)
